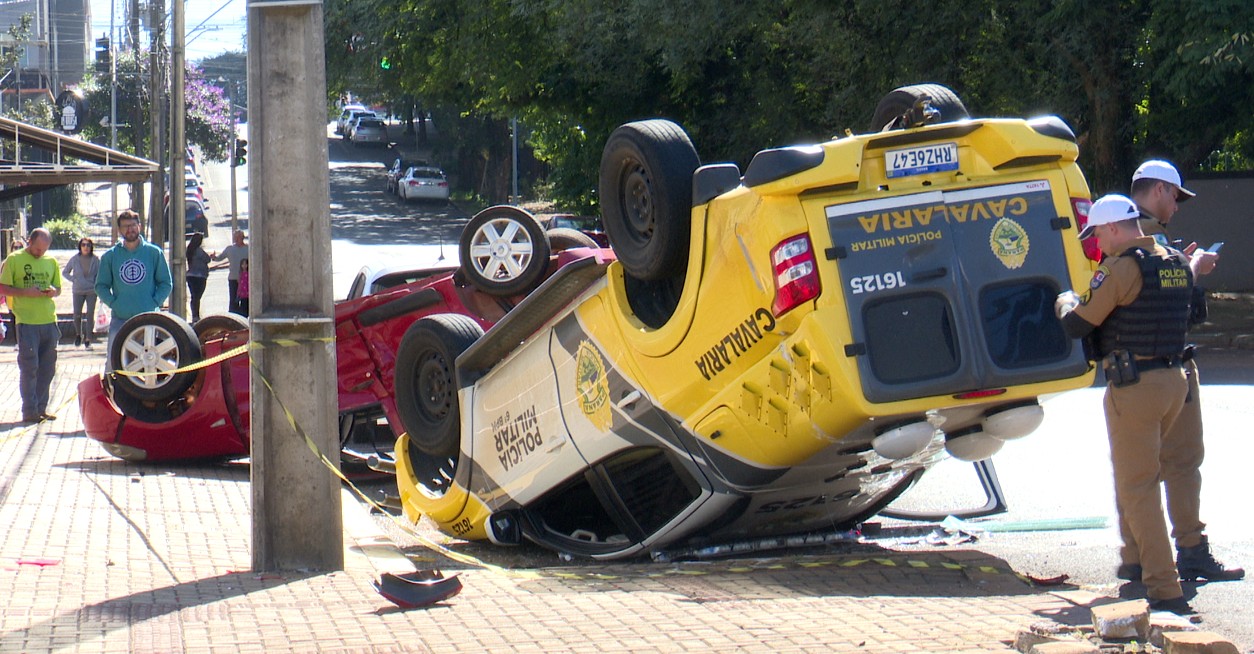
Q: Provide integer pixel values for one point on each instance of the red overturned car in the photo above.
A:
(185, 401)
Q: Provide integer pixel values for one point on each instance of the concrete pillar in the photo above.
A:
(296, 500)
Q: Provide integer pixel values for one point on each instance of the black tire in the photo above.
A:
(565, 238)
(218, 325)
(646, 197)
(155, 342)
(426, 381)
(901, 100)
(504, 251)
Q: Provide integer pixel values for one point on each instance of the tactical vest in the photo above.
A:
(1157, 321)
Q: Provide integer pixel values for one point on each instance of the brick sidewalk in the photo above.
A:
(100, 555)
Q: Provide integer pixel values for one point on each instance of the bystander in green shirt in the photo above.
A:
(21, 270)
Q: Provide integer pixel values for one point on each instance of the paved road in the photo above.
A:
(1062, 473)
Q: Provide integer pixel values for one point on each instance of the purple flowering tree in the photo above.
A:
(209, 124)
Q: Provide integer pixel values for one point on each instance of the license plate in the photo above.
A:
(921, 160)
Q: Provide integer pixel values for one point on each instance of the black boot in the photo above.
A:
(1197, 562)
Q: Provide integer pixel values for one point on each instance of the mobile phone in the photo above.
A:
(1215, 247)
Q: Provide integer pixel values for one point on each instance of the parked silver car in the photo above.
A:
(423, 183)
(369, 130)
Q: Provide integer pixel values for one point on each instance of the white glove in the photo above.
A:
(1066, 303)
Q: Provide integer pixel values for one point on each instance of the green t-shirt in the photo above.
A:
(21, 270)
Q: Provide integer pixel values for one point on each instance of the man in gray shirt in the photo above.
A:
(236, 252)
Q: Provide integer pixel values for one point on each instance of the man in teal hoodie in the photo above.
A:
(134, 276)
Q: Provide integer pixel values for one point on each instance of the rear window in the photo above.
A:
(911, 338)
(374, 124)
(429, 173)
(1019, 324)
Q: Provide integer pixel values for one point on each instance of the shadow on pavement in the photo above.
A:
(227, 470)
(124, 613)
(852, 571)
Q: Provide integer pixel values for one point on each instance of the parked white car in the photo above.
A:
(346, 115)
(423, 183)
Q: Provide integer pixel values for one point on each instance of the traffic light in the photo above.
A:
(241, 152)
(104, 56)
(385, 63)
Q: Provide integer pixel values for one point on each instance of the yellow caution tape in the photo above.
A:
(27, 429)
(252, 345)
(317, 452)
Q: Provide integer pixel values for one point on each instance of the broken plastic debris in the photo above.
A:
(417, 589)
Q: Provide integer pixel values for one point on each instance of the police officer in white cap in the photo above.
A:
(1138, 303)
(1158, 190)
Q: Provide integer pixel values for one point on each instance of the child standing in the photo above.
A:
(241, 302)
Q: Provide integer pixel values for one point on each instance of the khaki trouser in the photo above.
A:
(1183, 451)
(1138, 420)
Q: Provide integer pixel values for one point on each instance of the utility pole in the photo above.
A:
(133, 112)
(113, 113)
(178, 159)
(297, 522)
(156, 84)
(230, 148)
(231, 91)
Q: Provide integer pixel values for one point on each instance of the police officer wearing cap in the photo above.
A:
(1158, 191)
(1137, 309)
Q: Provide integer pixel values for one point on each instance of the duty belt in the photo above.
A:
(1160, 363)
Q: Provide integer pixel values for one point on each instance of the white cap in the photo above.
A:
(1109, 209)
(1163, 171)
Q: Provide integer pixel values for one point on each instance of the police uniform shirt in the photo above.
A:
(1117, 282)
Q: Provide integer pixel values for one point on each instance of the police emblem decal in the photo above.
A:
(1009, 243)
(1098, 277)
(592, 386)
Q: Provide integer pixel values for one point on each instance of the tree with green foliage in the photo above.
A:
(1134, 78)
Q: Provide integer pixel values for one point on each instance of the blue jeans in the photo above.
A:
(36, 364)
(115, 326)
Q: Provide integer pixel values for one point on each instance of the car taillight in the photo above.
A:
(796, 273)
(443, 184)
(1080, 207)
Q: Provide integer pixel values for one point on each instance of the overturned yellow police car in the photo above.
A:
(775, 352)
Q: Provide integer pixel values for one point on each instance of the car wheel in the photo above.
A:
(218, 325)
(646, 196)
(426, 381)
(157, 343)
(565, 238)
(899, 101)
(504, 251)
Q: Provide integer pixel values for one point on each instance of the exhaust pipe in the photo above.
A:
(380, 464)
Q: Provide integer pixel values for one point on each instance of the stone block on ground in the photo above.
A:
(1122, 620)
(1026, 640)
(1162, 623)
(1197, 642)
(1065, 647)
